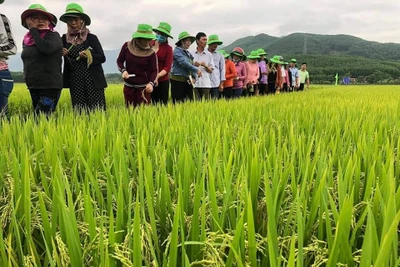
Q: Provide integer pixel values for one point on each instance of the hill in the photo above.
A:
(316, 44)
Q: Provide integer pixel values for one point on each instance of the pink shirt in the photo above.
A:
(286, 78)
(253, 73)
(242, 74)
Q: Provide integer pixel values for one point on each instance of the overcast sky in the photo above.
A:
(114, 21)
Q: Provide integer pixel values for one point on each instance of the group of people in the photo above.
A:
(148, 65)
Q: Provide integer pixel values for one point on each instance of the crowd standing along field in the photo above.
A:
(302, 179)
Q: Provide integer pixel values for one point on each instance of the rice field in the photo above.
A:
(303, 179)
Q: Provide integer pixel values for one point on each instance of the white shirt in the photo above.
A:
(218, 74)
(205, 80)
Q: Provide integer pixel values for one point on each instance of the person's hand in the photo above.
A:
(237, 78)
(199, 73)
(125, 75)
(31, 23)
(156, 82)
(65, 51)
(203, 64)
(149, 88)
(197, 64)
(221, 88)
(82, 54)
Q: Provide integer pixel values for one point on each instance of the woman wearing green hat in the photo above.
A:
(83, 55)
(253, 73)
(274, 75)
(8, 48)
(42, 58)
(239, 84)
(183, 70)
(262, 63)
(138, 64)
(164, 53)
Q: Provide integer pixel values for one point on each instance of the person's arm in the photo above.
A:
(222, 68)
(168, 64)
(182, 60)
(258, 76)
(49, 44)
(308, 80)
(121, 58)
(297, 79)
(244, 76)
(231, 74)
(210, 66)
(7, 46)
(97, 50)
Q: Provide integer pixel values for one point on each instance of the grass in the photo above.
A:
(305, 179)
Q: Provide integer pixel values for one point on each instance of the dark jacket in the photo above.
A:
(42, 61)
(95, 69)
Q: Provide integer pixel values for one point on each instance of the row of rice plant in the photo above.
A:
(308, 179)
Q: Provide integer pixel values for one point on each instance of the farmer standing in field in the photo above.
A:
(42, 58)
(7, 48)
(253, 73)
(230, 75)
(164, 53)
(183, 71)
(304, 77)
(274, 75)
(262, 63)
(294, 72)
(83, 56)
(138, 64)
(218, 74)
(238, 56)
(203, 59)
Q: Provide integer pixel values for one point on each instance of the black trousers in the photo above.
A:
(228, 92)
(44, 100)
(263, 88)
(301, 88)
(271, 88)
(160, 93)
(181, 91)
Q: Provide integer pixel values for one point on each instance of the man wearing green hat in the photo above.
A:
(8, 48)
(218, 74)
(294, 72)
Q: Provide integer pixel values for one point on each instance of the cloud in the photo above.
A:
(114, 21)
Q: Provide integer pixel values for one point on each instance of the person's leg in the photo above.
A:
(164, 92)
(188, 90)
(156, 94)
(197, 94)
(271, 88)
(206, 93)
(6, 86)
(129, 96)
(45, 100)
(177, 91)
(227, 93)
(237, 92)
(256, 90)
(301, 88)
(214, 93)
(262, 89)
(96, 99)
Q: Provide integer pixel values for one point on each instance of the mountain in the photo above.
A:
(317, 44)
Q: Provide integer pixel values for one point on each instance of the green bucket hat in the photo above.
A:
(184, 35)
(35, 9)
(223, 52)
(276, 59)
(293, 60)
(75, 10)
(214, 39)
(144, 31)
(164, 28)
(253, 55)
(261, 52)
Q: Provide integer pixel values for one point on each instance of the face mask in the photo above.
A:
(160, 38)
(236, 60)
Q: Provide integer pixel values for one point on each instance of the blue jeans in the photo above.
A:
(214, 93)
(6, 86)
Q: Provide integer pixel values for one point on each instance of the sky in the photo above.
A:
(115, 21)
